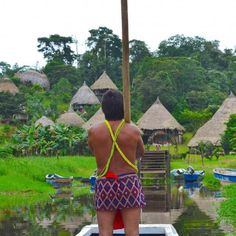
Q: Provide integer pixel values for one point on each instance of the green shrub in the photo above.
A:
(6, 151)
(49, 141)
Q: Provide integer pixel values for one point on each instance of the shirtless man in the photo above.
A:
(116, 146)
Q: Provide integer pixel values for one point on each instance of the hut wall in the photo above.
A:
(164, 136)
(99, 93)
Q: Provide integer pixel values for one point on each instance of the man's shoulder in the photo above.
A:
(97, 127)
(133, 128)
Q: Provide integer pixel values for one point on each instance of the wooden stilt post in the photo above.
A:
(125, 60)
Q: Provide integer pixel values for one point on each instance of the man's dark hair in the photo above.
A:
(112, 105)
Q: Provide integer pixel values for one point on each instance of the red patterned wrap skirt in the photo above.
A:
(124, 192)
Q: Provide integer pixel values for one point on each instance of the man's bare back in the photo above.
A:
(129, 141)
(116, 194)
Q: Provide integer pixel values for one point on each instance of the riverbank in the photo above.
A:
(22, 180)
(226, 210)
(228, 161)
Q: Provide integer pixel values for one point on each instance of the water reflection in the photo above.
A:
(60, 216)
(190, 208)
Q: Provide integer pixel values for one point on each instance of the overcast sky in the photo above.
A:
(23, 21)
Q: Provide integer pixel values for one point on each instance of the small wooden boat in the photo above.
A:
(58, 181)
(177, 174)
(198, 175)
(188, 175)
(144, 229)
(225, 174)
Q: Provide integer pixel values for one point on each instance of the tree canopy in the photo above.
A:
(57, 48)
(190, 75)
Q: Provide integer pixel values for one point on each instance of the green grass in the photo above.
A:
(227, 210)
(209, 165)
(22, 180)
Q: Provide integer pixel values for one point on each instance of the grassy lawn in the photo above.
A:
(22, 180)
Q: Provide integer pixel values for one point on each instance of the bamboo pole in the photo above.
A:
(125, 60)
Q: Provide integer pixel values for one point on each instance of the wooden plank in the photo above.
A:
(153, 171)
(125, 60)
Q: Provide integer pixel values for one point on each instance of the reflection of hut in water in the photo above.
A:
(33, 77)
(212, 130)
(197, 221)
(6, 85)
(44, 121)
(70, 119)
(84, 96)
(159, 126)
(102, 84)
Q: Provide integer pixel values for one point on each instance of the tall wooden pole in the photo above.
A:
(125, 60)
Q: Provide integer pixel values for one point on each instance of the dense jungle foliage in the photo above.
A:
(190, 75)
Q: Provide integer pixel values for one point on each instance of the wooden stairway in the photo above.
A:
(154, 172)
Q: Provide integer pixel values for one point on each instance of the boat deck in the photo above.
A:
(144, 229)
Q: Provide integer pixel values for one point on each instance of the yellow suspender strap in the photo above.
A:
(115, 145)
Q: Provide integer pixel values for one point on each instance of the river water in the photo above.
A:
(191, 209)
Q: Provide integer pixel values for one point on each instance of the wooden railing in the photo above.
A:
(154, 172)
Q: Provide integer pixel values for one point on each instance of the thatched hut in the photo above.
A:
(159, 126)
(102, 84)
(98, 117)
(7, 85)
(70, 119)
(44, 121)
(84, 96)
(34, 77)
(212, 130)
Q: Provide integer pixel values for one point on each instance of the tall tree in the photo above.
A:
(11, 104)
(57, 48)
(138, 52)
(229, 137)
(104, 43)
(104, 53)
(4, 68)
(179, 45)
(56, 70)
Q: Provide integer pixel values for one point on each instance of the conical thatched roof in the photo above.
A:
(157, 117)
(34, 77)
(85, 96)
(215, 127)
(103, 82)
(70, 119)
(99, 117)
(44, 121)
(96, 118)
(6, 85)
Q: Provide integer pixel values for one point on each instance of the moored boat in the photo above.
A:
(225, 174)
(188, 175)
(58, 181)
(144, 229)
(196, 176)
(177, 174)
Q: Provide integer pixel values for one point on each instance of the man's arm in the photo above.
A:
(90, 140)
(140, 148)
